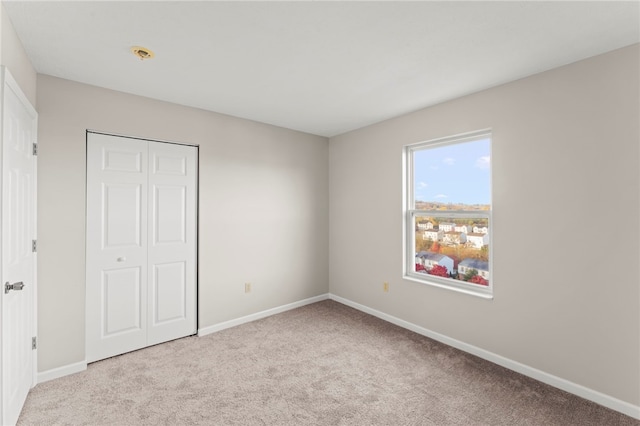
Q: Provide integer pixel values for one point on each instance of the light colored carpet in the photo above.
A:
(323, 364)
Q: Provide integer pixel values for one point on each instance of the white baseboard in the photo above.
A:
(259, 315)
(574, 388)
(65, 370)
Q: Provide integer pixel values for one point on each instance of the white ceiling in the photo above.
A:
(319, 67)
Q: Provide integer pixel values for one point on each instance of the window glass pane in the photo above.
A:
(453, 248)
(453, 177)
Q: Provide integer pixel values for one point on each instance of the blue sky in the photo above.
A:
(458, 173)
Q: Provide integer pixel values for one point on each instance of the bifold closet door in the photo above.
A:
(141, 243)
(172, 242)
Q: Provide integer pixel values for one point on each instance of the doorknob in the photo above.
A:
(15, 286)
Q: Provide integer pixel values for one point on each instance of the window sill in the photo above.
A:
(434, 283)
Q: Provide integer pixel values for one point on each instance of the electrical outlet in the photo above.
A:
(385, 287)
(247, 287)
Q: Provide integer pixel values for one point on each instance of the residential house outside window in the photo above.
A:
(448, 213)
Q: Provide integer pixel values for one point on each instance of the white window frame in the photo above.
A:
(411, 214)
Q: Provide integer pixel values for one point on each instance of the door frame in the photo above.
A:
(8, 82)
(197, 214)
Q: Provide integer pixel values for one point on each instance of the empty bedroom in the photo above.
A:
(320, 213)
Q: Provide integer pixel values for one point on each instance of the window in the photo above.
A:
(448, 213)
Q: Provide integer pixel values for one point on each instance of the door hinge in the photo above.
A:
(35, 149)
(34, 343)
(34, 246)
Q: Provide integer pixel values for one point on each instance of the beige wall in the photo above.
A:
(565, 162)
(263, 208)
(14, 57)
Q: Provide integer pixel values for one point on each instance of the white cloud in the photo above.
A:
(434, 167)
(423, 184)
(483, 162)
(441, 196)
(449, 161)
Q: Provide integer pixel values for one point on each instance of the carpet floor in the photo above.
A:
(322, 364)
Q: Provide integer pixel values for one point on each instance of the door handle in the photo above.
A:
(15, 286)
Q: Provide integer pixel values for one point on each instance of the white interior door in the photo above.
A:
(141, 243)
(116, 245)
(172, 244)
(18, 231)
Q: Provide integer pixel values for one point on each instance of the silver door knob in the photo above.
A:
(15, 286)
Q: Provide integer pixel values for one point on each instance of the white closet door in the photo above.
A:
(116, 245)
(141, 243)
(172, 245)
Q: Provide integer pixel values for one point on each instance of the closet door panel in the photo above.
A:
(116, 279)
(172, 241)
(170, 290)
(121, 301)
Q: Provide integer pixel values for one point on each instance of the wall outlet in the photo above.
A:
(247, 287)
(385, 287)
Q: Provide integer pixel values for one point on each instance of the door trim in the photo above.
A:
(140, 138)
